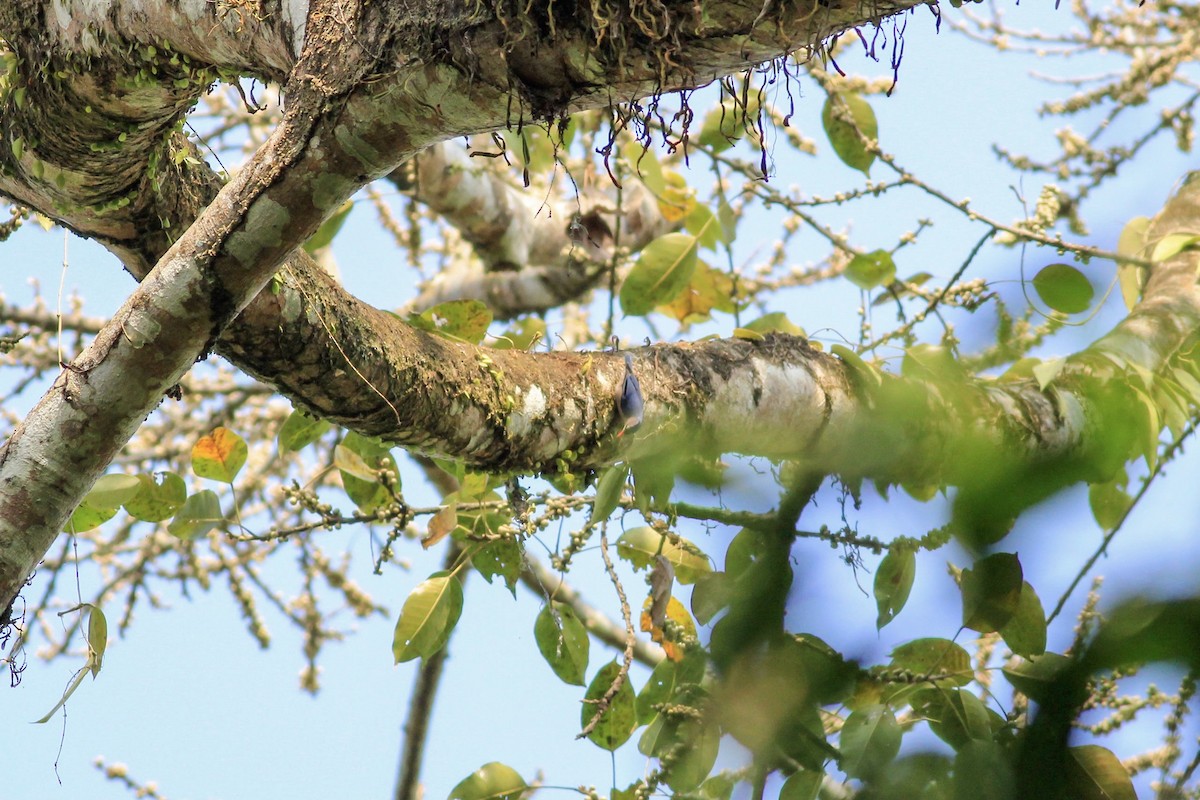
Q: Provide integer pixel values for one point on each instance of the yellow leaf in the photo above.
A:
(219, 455)
(678, 620)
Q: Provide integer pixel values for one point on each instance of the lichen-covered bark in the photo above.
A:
(373, 84)
(532, 254)
(367, 93)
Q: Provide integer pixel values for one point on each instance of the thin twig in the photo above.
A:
(553, 586)
(420, 708)
(1103, 548)
(623, 673)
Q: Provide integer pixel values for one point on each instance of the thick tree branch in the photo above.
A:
(201, 283)
(498, 410)
(535, 252)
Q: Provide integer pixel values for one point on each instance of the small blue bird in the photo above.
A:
(631, 404)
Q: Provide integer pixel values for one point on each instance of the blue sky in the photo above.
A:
(188, 700)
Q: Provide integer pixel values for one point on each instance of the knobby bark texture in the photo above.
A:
(90, 137)
(533, 255)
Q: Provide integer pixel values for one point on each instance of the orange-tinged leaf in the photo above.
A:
(663, 270)
(709, 288)
(219, 455)
(677, 199)
(440, 525)
(678, 619)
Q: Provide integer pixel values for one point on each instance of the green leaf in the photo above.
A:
(97, 643)
(113, 491)
(1172, 245)
(982, 771)
(726, 123)
(893, 582)
(804, 784)
(563, 642)
(1132, 277)
(1064, 288)
(829, 677)
(718, 787)
(492, 781)
(728, 220)
(702, 471)
(85, 517)
(932, 363)
(711, 593)
(159, 497)
(1035, 677)
(867, 375)
(477, 523)
(461, 319)
(849, 122)
(708, 289)
(870, 740)
(618, 721)
(991, 592)
(640, 545)
(662, 271)
(658, 689)
(956, 716)
(1046, 371)
(608, 492)
(199, 514)
(359, 460)
(686, 742)
(219, 455)
(1094, 773)
(702, 223)
(428, 617)
(97, 637)
(1025, 632)
(1151, 427)
(1109, 502)
(500, 557)
(775, 321)
(940, 657)
(645, 161)
(1132, 241)
(653, 480)
(522, 335)
(868, 270)
(329, 228)
(666, 681)
(745, 550)
(300, 430)
(353, 465)
(701, 741)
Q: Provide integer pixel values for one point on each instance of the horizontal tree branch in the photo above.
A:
(495, 409)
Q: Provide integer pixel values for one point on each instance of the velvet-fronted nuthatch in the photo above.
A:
(631, 405)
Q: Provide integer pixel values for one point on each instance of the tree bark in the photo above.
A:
(87, 138)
